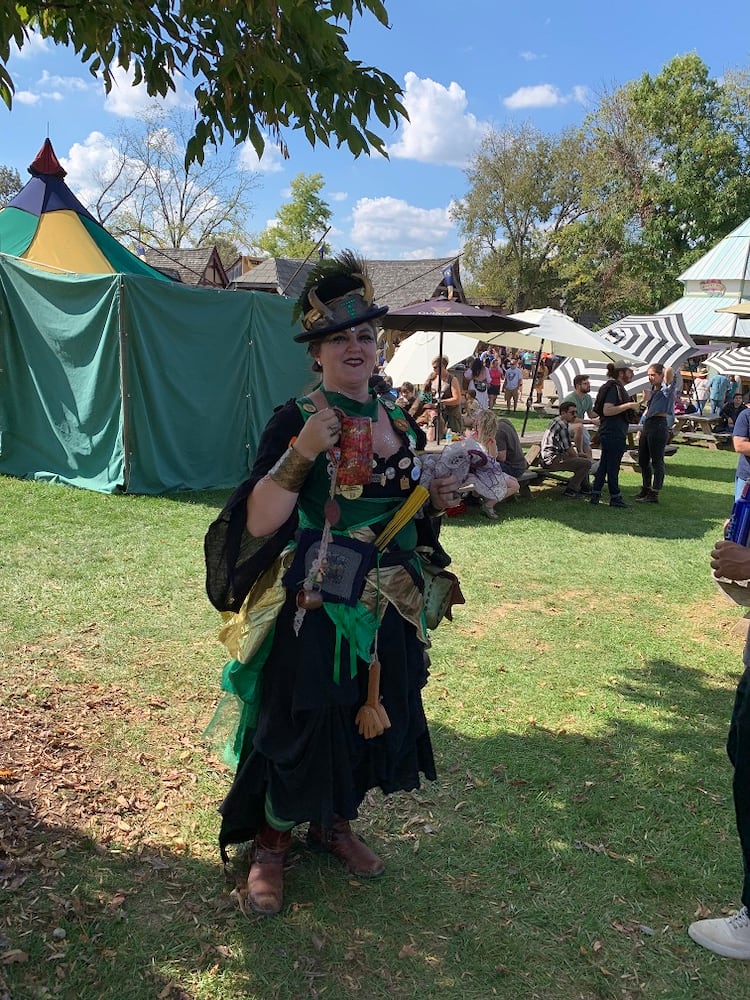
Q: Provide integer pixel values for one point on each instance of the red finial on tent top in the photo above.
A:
(46, 162)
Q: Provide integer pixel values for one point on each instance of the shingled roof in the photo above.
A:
(192, 266)
(396, 282)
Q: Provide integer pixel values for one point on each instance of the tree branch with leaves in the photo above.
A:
(259, 67)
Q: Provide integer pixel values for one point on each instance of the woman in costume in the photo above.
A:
(315, 555)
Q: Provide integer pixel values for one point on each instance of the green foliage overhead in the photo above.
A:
(300, 223)
(258, 66)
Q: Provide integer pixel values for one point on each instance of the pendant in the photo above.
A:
(404, 483)
(416, 472)
(350, 492)
(309, 600)
(332, 512)
(404, 463)
(309, 408)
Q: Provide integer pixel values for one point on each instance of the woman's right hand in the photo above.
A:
(321, 432)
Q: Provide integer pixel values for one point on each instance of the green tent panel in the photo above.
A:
(124, 382)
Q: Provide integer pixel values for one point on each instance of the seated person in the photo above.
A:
(584, 404)
(509, 450)
(490, 476)
(729, 413)
(407, 395)
(472, 408)
(559, 454)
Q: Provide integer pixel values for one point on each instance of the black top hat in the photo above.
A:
(337, 295)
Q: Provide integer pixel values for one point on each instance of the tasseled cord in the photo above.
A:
(372, 719)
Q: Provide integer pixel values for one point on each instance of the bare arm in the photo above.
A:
(612, 409)
(741, 445)
(269, 504)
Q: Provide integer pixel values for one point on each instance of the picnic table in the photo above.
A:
(695, 428)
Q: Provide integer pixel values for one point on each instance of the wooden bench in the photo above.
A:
(698, 436)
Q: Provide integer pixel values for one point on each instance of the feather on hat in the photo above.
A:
(337, 295)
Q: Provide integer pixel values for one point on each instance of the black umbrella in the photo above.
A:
(450, 316)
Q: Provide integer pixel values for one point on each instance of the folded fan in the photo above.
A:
(403, 515)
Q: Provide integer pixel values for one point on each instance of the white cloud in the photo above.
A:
(440, 129)
(71, 83)
(528, 56)
(337, 196)
(543, 95)
(26, 97)
(392, 228)
(272, 161)
(33, 45)
(129, 101)
(87, 163)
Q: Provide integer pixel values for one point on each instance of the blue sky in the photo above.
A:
(464, 67)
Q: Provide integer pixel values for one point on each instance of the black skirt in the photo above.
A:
(306, 754)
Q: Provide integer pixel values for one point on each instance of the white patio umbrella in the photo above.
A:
(413, 357)
(659, 339)
(735, 362)
(559, 334)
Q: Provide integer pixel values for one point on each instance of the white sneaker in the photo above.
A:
(729, 936)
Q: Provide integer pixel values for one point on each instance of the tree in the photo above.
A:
(669, 177)
(258, 66)
(524, 189)
(300, 223)
(149, 196)
(10, 184)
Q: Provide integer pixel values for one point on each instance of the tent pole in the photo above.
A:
(439, 384)
(125, 407)
(533, 379)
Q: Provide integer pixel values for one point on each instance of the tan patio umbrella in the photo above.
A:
(740, 309)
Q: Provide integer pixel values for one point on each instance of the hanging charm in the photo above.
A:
(310, 597)
(372, 719)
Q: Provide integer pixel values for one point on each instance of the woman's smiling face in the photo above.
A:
(347, 357)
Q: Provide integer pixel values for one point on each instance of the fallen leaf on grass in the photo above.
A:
(15, 955)
(408, 951)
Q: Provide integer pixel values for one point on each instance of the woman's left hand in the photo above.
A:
(444, 492)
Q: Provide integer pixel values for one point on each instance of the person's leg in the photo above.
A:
(579, 468)
(614, 457)
(601, 472)
(644, 459)
(730, 936)
(659, 438)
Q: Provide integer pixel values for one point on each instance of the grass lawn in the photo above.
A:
(578, 705)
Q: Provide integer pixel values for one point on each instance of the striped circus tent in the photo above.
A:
(46, 226)
(736, 362)
(654, 339)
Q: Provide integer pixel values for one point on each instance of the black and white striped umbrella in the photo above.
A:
(736, 362)
(655, 339)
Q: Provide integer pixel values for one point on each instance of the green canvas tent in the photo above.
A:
(126, 382)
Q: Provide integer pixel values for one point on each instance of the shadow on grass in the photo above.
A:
(682, 513)
(546, 862)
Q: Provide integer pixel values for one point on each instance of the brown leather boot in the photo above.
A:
(265, 883)
(343, 843)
